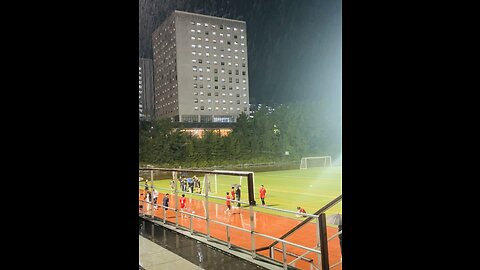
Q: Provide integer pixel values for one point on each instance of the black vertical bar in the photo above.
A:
(323, 241)
(251, 195)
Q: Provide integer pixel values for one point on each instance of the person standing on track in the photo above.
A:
(233, 193)
(165, 201)
(183, 203)
(263, 191)
(238, 193)
(229, 207)
(155, 197)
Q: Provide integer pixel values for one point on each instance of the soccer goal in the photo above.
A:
(308, 162)
(213, 181)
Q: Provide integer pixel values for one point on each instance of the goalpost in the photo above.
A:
(220, 181)
(306, 162)
(210, 181)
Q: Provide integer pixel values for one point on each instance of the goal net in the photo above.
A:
(215, 183)
(309, 162)
(219, 184)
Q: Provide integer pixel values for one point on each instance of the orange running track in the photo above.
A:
(264, 223)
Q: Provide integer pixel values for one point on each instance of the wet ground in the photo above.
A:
(197, 254)
(264, 223)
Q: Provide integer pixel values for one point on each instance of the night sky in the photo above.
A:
(294, 46)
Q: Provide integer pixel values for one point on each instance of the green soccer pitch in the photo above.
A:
(309, 188)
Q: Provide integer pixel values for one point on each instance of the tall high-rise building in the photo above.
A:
(145, 89)
(201, 69)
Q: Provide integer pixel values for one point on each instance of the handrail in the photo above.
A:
(236, 173)
(321, 210)
(335, 235)
(287, 211)
(335, 265)
(298, 257)
(288, 243)
(228, 225)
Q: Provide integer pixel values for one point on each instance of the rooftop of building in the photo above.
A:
(207, 16)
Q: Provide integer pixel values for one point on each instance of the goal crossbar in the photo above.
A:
(327, 161)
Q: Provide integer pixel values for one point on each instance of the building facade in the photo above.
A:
(201, 69)
(145, 89)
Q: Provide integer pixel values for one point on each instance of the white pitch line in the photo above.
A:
(302, 193)
(294, 176)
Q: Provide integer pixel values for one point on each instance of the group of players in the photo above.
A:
(234, 195)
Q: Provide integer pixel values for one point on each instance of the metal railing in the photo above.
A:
(318, 249)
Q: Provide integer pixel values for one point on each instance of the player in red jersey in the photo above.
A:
(263, 191)
(183, 203)
(228, 204)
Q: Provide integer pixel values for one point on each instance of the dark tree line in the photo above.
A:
(299, 129)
